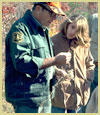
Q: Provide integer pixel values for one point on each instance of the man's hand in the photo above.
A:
(62, 58)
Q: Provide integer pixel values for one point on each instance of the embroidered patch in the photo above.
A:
(17, 37)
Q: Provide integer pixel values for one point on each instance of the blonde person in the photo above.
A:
(72, 94)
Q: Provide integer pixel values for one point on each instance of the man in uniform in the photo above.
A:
(93, 25)
(30, 61)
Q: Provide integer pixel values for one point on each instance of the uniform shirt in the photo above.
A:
(27, 45)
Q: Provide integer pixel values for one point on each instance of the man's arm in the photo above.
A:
(60, 59)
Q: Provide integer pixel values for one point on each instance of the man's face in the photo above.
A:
(46, 17)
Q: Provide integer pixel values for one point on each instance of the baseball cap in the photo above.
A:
(54, 6)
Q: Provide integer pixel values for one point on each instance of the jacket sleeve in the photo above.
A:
(20, 52)
(89, 67)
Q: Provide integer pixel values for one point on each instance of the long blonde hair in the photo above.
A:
(82, 34)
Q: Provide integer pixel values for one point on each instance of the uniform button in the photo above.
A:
(40, 80)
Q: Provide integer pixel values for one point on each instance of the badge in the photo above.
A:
(17, 37)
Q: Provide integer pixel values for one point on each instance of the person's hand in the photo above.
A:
(62, 58)
(60, 73)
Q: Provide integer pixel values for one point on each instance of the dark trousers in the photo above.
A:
(22, 108)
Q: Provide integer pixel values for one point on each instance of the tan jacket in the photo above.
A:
(77, 90)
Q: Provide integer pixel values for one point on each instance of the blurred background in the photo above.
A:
(12, 11)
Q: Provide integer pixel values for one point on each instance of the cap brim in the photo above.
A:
(57, 10)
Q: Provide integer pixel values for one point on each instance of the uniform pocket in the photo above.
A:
(38, 51)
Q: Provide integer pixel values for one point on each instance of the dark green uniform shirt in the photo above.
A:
(27, 45)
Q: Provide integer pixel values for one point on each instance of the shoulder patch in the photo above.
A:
(17, 37)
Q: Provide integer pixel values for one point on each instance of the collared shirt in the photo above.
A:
(93, 25)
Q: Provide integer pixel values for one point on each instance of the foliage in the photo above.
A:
(76, 7)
